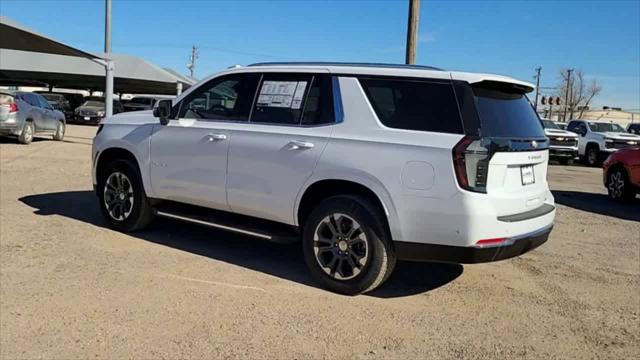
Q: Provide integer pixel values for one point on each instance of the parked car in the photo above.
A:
(74, 100)
(59, 102)
(365, 164)
(634, 128)
(563, 145)
(24, 114)
(138, 103)
(598, 139)
(621, 174)
(93, 110)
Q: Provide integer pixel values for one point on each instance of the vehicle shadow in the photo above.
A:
(284, 261)
(598, 204)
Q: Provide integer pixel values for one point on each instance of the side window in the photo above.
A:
(225, 98)
(414, 105)
(318, 108)
(281, 99)
(42, 102)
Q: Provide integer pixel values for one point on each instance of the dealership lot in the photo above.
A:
(72, 288)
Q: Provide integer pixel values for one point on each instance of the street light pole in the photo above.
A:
(566, 96)
(108, 88)
(538, 69)
(412, 31)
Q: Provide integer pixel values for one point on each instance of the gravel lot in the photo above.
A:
(71, 288)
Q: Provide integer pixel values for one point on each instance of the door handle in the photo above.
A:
(298, 145)
(216, 137)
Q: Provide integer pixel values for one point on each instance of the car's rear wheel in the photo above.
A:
(26, 136)
(123, 201)
(347, 246)
(60, 129)
(618, 185)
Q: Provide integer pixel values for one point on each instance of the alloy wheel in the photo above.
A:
(340, 246)
(118, 196)
(616, 185)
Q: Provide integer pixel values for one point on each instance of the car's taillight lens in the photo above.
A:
(13, 107)
(471, 164)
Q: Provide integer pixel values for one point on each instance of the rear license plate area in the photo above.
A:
(527, 175)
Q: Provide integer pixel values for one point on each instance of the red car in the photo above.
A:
(621, 173)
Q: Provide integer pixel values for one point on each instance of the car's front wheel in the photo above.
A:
(618, 186)
(123, 201)
(60, 129)
(347, 246)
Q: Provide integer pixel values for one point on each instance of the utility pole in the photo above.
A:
(192, 60)
(566, 96)
(412, 31)
(108, 88)
(538, 69)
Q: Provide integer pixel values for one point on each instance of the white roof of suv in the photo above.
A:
(385, 70)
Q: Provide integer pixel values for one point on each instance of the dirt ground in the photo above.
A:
(72, 288)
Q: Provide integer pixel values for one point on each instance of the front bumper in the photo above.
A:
(513, 247)
(81, 119)
(560, 152)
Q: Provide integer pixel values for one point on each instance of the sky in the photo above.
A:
(505, 37)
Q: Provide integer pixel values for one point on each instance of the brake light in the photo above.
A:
(13, 107)
(489, 242)
(471, 164)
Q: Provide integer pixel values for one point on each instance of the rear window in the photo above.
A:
(143, 101)
(506, 114)
(414, 104)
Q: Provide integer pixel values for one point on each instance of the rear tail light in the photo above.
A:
(491, 242)
(471, 164)
(13, 107)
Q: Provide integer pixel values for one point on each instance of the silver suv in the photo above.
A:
(365, 164)
(24, 114)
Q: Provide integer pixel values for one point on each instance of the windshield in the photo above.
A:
(548, 124)
(93, 103)
(506, 114)
(143, 101)
(604, 127)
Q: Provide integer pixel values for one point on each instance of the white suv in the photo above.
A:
(598, 139)
(365, 164)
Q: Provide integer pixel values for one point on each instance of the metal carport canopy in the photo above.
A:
(27, 57)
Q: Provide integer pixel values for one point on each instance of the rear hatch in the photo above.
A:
(507, 154)
(7, 106)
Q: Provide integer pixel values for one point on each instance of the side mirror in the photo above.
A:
(163, 111)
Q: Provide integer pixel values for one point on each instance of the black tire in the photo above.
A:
(566, 161)
(618, 186)
(26, 136)
(60, 130)
(375, 266)
(593, 156)
(141, 212)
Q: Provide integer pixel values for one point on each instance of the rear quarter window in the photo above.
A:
(414, 104)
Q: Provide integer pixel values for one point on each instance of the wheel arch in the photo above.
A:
(322, 188)
(116, 153)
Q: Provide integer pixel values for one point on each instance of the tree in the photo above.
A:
(580, 93)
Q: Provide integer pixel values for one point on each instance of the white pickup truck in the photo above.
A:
(598, 139)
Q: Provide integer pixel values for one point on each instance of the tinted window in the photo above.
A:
(414, 105)
(506, 114)
(143, 101)
(548, 124)
(318, 106)
(225, 98)
(43, 103)
(281, 99)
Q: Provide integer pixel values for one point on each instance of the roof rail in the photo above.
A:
(376, 65)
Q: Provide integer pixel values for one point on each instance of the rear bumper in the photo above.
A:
(470, 255)
(10, 129)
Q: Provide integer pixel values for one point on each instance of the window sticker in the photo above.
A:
(282, 94)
